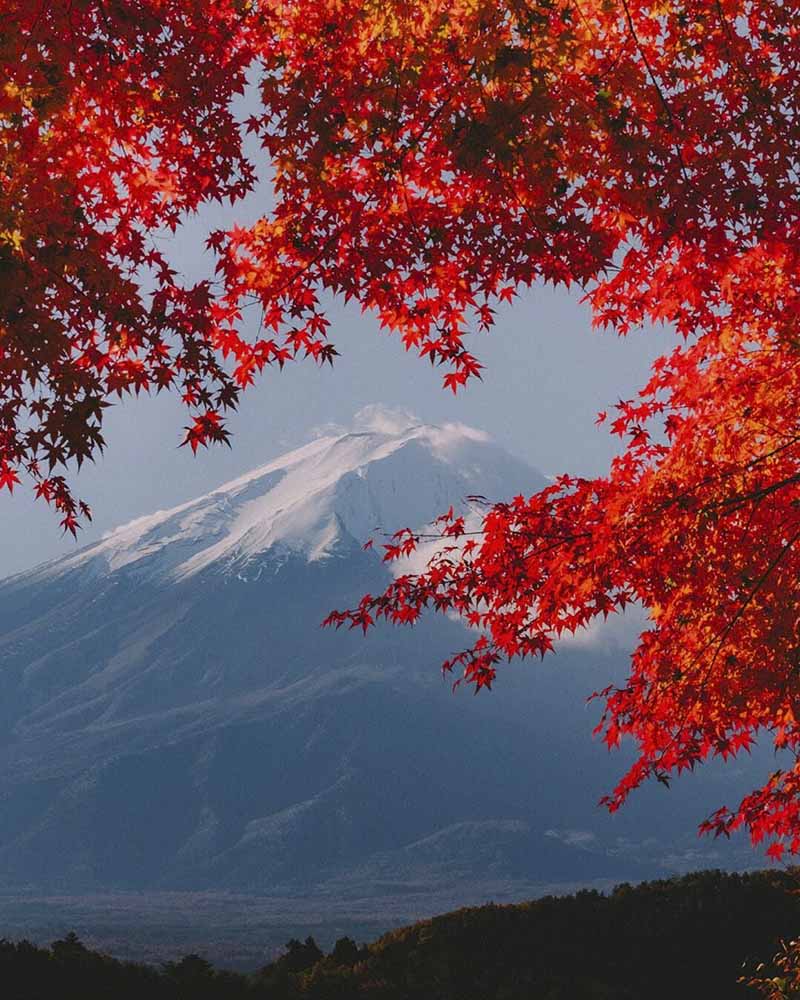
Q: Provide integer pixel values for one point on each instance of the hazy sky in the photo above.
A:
(547, 375)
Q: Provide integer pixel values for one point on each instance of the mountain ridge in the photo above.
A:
(163, 728)
(304, 500)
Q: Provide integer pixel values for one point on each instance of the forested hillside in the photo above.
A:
(686, 937)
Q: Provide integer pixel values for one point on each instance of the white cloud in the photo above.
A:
(384, 419)
(572, 838)
(618, 631)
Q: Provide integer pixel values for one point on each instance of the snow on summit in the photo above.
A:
(386, 471)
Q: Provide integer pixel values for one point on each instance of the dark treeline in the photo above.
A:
(684, 937)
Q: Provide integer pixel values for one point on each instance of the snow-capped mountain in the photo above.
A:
(171, 715)
(391, 472)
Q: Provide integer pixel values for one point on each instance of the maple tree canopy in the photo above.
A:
(429, 159)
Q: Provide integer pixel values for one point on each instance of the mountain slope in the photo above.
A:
(172, 715)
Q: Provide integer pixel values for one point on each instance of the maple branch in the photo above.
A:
(45, 7)
(739, 500)
(730, 43)
(656, 84)
(709, 480)
(646, 61)
(720, 639)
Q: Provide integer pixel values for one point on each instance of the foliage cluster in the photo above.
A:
(685, 937)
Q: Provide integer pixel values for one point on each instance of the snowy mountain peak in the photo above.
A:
(387, 472)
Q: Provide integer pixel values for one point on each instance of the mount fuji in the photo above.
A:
(173, 717)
